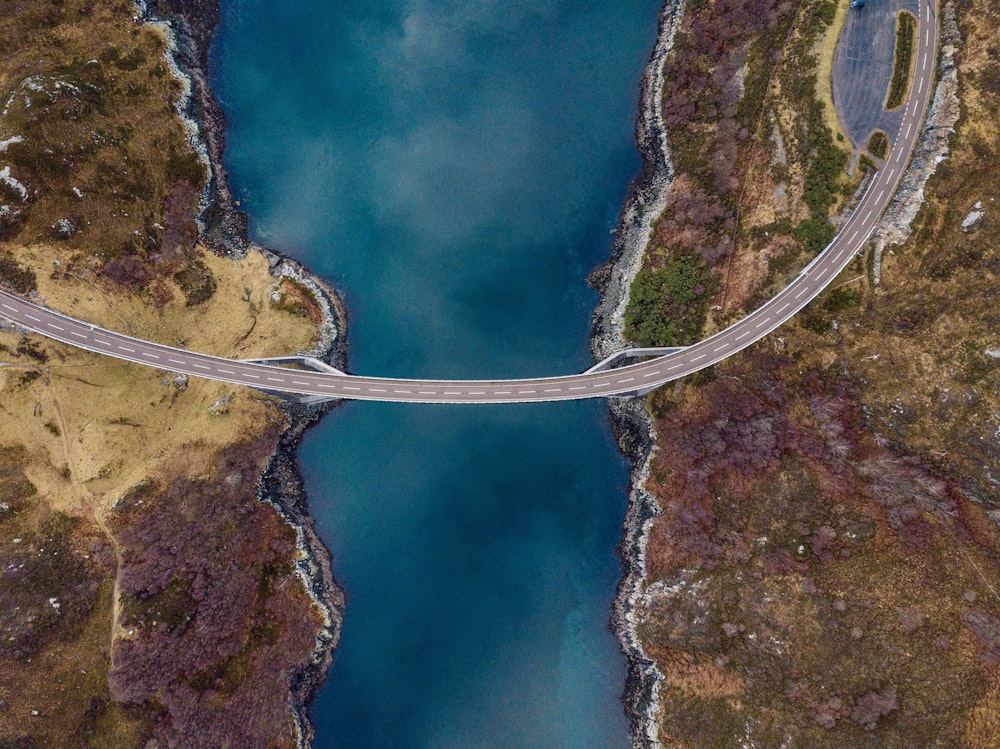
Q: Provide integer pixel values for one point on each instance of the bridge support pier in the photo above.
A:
(311, 362)
(317, 365)
(632, 353)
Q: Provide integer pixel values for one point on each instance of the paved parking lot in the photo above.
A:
(862, 69)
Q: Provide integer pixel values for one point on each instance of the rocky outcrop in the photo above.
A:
(932, 148)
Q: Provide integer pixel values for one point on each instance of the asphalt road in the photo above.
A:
(623, 381)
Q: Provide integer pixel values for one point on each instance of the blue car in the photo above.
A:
(857, 3)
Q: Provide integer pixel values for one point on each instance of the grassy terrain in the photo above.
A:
(97, 219)
(902, 64)
(825, 570)
(759, 158)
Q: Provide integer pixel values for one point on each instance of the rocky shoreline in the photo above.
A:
(190, 26)
(630, 421)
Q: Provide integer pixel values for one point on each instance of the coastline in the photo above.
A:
(189, 30)
(630, 421)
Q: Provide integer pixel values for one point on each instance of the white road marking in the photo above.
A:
(649, 374)
(503, 392)
(783, 307)
(202, 366)
(720, 348)
(346, 387)
(602, 385)
(300, 382)
(251, 376)
(763, 322)
(579, 387)
(627, 379)
(103, 343)
(675, 366)
(744, 334)
(226, 371)
(908, 128)
(78, 335)
(452, 392)
(7, 306)
(377, 390)
(699, 358)
(802, 291)
(422, 392)
(126, 348)
(477, 392)
(57, 327)
(31, 317)
(276, 379)
(403, 392)
(151, 356)
(526, 392)
(173, 361)
(554, 390)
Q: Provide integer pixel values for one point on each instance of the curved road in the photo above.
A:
(623, 381)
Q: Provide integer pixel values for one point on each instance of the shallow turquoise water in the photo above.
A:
(455, 167)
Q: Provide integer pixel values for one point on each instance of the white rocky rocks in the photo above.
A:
(974, 216)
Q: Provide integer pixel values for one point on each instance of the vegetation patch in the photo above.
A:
(878, 145)
(902, 66)
(197, 283)
(16, 277)
(667, 304)
(298, 299)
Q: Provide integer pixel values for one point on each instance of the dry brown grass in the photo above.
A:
(86, 428)
(825, 48)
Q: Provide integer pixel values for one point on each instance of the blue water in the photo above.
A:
(455, 167)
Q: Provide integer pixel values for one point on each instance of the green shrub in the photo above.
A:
(906, 27)
(15, 277)
(667, 305)
(197, 283)
(878, 145)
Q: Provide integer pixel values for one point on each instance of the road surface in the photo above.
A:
(625, 380)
